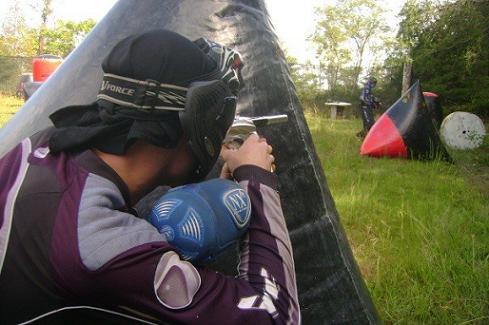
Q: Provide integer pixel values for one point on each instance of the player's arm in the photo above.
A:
(266, 257)
(131, 266)
(265, 290)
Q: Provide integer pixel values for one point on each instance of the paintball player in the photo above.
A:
(367, 104)
(72, 248)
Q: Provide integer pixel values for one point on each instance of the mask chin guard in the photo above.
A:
(209, 112)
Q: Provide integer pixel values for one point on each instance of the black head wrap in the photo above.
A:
(159, 55)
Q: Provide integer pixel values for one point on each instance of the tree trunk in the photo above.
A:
(406, 77)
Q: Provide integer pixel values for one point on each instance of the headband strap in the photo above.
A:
(145, 95)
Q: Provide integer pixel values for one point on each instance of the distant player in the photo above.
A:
(367, 104)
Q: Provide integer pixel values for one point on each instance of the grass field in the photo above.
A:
(419, 230)
(8, 107)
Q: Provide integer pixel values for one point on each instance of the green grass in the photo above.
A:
(9, 105)
(419, 230)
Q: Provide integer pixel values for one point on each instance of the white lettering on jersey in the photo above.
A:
(264, 302)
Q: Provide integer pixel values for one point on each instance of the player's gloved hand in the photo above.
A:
(201, 220)
(254, 151)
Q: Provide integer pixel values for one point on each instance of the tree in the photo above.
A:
(19, 42)
(66, 35)
(19, 39)
(345, 32)
(16, 38)
(45, 12)
(449, 45)
(306, 82)
(416, 17)
(329, 38)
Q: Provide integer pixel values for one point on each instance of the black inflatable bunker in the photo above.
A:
(434, 107)
(405, 130)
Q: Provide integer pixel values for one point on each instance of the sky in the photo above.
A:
(293, 35)
(293, 20)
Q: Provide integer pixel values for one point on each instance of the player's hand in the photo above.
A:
(254, 151)
(226, 172)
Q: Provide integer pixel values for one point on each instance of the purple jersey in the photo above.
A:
(71, 249)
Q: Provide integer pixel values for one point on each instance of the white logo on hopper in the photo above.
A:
(238, 204)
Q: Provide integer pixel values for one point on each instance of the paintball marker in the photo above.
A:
(243, 127)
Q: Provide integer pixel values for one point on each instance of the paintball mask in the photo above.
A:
(206, 108)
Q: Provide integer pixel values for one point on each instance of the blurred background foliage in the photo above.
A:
(21, 39)
(447, 43)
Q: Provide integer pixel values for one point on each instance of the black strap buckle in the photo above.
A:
(147, 95)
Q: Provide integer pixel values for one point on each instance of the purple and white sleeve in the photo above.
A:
(139, 272)
(265, 291)
(266, 258)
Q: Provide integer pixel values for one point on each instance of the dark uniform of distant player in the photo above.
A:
(367, 104)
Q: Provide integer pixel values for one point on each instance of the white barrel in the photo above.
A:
(462, 130)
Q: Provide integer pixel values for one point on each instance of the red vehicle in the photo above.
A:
(42, 67)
